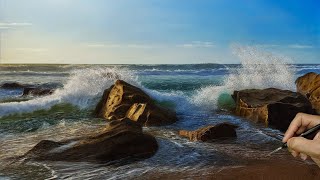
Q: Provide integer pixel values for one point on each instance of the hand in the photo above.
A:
(300, 146)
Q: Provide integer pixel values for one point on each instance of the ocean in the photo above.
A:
(199, 93)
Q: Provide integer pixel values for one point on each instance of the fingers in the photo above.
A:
(299, 124)
(293, 127)
(303, 156)
(305, 146)
(301, 129)
(317, 136)
(294, 153)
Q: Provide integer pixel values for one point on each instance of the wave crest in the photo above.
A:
(81, 89)
(258, 70)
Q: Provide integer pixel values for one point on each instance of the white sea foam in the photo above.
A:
(81, 89)
(177, 97)
(258, 70)
(84, 87)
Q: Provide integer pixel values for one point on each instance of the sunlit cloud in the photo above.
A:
(102, 45)
(134, 46)
(193, 44)
(32, 49)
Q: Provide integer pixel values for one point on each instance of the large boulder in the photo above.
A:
(123, 100)
(120, 140)
(270, 106)
(309, 86)
(211, 132)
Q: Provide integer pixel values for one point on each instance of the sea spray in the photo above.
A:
(258, 70)
(176, 100)
(82, 89)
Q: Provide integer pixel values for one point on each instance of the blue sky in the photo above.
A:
(156, 31)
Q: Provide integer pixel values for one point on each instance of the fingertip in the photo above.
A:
(286, 136)
(303, 156)
(294, 153)
(284, 139)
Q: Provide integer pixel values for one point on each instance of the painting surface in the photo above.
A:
(57, 58)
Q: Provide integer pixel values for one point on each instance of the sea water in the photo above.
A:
(199, 93)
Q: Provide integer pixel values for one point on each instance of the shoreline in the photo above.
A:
(252, 170)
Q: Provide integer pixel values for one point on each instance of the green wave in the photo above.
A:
(29, 122)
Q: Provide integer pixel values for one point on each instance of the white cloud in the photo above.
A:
(293, 46)
(197, 44)
(102, 45)
(300, 46)
(193, 44)
(135, 46)
(267, 45)
(6, 25)
(141, 46)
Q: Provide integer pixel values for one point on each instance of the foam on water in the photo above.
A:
(258, 70)
(84, 87)
(81, 89)
(178, 98)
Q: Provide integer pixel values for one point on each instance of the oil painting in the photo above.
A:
(159, 89)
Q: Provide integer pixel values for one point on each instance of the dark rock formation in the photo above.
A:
(123, 100)
(120, 140)
(13, 85)
(223, 130)
(309, 86)
(29, 91)
(270, 106)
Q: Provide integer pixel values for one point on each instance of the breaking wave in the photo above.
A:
(81, 89)
(258, 70)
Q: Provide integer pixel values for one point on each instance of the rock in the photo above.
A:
(309, 86)
(222, 130)
(120, 140)
(270, 106)
(33, 90)
(13, 85)
(315, 100)
(29, 91)
(123, 100)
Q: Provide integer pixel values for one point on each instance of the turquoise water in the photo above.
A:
(199, 93)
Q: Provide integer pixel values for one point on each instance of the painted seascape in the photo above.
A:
(156, 89)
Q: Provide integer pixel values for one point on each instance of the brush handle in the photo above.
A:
(306, 134)
(310, 131)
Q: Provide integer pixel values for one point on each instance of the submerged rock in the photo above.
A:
(123, 100)
(13, 85)
(120, 140)
(270, 106)
(222, 130)
(30, 91)
(309, 86)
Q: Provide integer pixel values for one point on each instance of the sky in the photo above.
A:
(156, 31)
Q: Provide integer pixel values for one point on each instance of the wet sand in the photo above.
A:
(254, 170)
(272, 169)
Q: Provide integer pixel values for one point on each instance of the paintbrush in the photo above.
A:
(306, 134)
